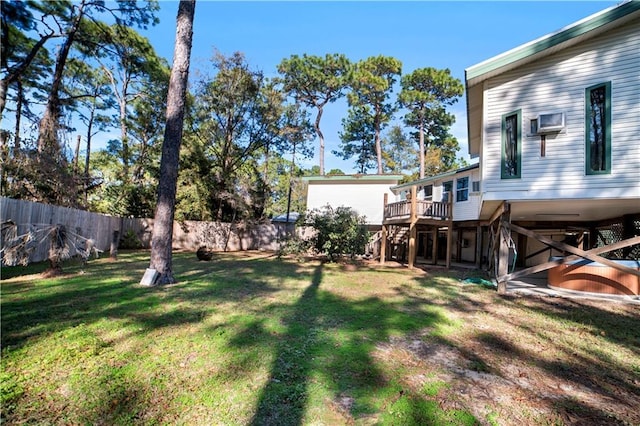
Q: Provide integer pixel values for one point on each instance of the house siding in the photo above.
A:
(462, 210)
(365, 198)
(557, 84)
(470, 209)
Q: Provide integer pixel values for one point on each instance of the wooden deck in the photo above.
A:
(401, 211)
(413, 212)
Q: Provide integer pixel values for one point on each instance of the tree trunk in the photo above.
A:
(161, 257)
(87, 156)
(316, 125)
(378, 150)
(124, 138)
(76, 155)
(19, 102)
(47, 133)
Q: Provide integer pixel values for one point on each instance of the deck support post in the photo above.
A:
(478, 255)
(503, 249)
(434, 246)
(383, 244)
(413, 219)
(449, 244)
(449, 231)
(384, 236)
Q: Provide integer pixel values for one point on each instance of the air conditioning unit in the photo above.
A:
(550, 122)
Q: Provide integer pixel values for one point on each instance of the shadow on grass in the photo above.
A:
(325, 340)
(110, 290)
(332, 340)
(283, 400)
(554, 328)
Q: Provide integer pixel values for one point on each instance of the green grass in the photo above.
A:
(249, 339)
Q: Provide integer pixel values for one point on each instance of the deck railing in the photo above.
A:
(424, 208)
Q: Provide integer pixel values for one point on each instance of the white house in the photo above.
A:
(555, 124)
(363, 193)
(463, 185)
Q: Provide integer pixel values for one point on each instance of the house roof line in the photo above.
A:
(512, 58)
(351, 177)
(433, 178)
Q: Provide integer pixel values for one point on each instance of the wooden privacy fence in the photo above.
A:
(81, 226)
(39, 219)
(217, 236)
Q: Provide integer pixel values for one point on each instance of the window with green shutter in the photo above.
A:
(511, 145)
(597, 119)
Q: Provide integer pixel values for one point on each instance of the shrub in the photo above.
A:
(130, 240)
(293, 246)
(339, 231)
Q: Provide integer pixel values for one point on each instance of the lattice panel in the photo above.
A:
(613, 234)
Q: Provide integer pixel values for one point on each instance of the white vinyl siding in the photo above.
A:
(558, 83)
(365, 198)
(469, 209)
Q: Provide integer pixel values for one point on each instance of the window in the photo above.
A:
(447, 187)
(475, 186)
(428, 192)
(462, 189)
(511, 145)
(598, 129)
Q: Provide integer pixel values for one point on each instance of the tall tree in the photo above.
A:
(425, 93)
(398, 152)
(131, 61)
(316, 81)
(237, 119)
(20, 52)
(295, 133)
(75, 21)
(95, 102)
(358, 138)
(161, 256)
(372, 85)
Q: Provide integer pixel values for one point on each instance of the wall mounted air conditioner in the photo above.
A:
(550, 122)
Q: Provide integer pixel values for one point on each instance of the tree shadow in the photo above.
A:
(515, 340)
(110, 290)
(330, 339)
(283, 400)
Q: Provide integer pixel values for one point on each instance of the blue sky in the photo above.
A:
(440, 34)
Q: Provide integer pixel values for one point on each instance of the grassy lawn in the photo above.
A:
(250, 339)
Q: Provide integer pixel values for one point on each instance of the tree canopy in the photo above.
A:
(425, 93)
(372, 84)
(79, 73)
(316, 81)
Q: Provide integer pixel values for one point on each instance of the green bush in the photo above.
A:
(339, 231)
(130, 240)
(293, 246)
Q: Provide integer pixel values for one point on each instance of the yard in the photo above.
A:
(250, 339)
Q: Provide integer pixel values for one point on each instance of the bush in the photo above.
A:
(339, 231)
(293, 246)
(130, 240)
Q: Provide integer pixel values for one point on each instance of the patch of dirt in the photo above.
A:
(508, 369)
